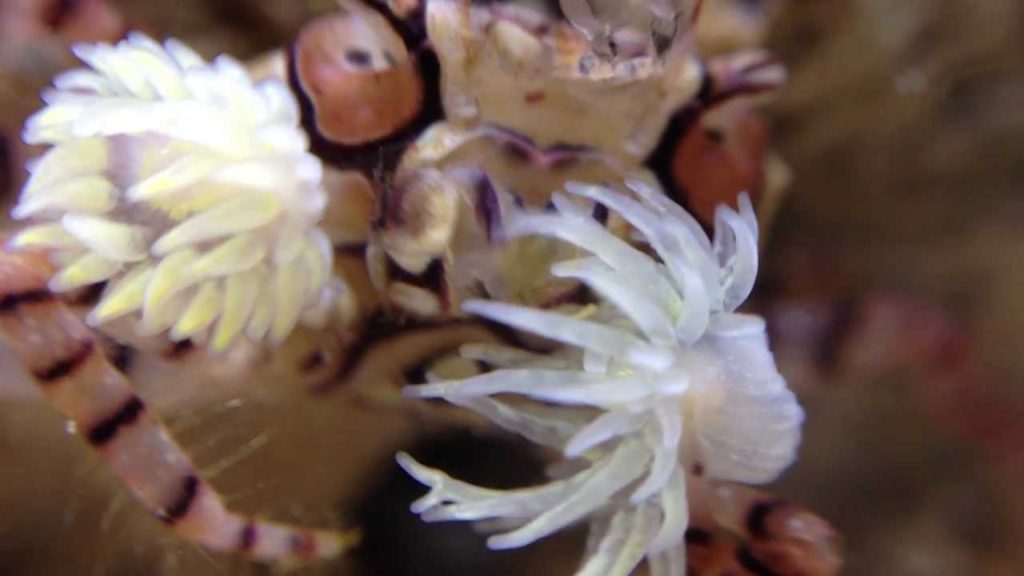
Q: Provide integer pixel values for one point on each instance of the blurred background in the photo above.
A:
(892, 280)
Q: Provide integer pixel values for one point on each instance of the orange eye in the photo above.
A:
(362, 82)
(719, 157)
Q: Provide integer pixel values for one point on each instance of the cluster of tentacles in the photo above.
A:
(548, 173)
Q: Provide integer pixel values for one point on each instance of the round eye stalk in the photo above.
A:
(359, 76)
(718, 145)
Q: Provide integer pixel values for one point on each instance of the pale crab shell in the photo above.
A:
(465, 180)
(501, 67)
(514, 162)
(656, 21)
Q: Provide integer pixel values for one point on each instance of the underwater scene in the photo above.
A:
(506, 287)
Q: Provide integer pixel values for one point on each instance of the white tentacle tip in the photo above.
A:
(431, 390)
(210, 178)
(426, 476)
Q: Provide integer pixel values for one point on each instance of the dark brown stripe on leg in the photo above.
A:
(121, 357)
(87, 296)
(698, 537)
(317, 359)
(179, 508)
(107, 429)
(10, 302)
(59, 13)
(179, 350)
(64, 367)
(757, 516)
(746, 559)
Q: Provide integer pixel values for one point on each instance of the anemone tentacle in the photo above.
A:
(666, 377)
(183, 185)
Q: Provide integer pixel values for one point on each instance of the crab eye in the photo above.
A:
(718, 158)
(360, 78)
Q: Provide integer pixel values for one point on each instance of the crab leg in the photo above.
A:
(65, 359)
(758, 531)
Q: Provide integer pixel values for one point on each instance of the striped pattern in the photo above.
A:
(745, 531)
(64, 357)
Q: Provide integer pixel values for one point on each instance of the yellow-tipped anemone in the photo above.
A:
(183, 185)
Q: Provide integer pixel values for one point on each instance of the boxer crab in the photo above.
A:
(445, 128)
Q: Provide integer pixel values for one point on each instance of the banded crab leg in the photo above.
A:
(65, 359)
(741, 530)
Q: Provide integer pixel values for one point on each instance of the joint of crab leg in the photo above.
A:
(63, 356)
(435, 238)
(418, 214)
(782, 536)
(360, 78)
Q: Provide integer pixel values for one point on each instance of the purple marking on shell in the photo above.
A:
(559, 155)
(487, 207)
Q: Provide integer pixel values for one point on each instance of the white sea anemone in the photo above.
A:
(186, 187)
(661, 380)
